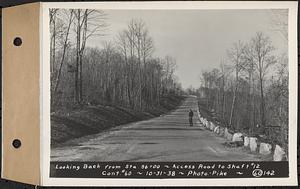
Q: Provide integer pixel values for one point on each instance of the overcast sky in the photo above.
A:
(197, 39)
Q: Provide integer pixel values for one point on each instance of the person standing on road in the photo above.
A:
(191, 114)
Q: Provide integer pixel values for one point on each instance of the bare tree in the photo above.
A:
(135, 40)
(236, 56)
(147, 45)
(123, 45)
(263, 58)
(250, 68)
(251, 92)
(88, 23)
(121, 73)
(169, 67)
(53, 28)
(224, 74)
(70, 15)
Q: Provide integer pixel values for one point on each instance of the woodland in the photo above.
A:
(248, 91)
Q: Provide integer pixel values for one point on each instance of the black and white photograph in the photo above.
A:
(168, 85)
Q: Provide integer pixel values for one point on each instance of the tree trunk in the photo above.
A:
(234, 99)
(80, 79)
(63, 54)
(263, 119)
(81, 52)
(53, 47)
(223, 98)
(232, 108)
(77, 58)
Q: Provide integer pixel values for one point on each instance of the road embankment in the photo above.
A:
(92, 119)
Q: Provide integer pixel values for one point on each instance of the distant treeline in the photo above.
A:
(250, 92)
(121, 72)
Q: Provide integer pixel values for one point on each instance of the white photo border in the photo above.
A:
(46, 180)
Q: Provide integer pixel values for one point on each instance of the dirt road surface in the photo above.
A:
(165, 138)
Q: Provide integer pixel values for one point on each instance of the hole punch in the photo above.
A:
(16, 143)
(17, 41)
